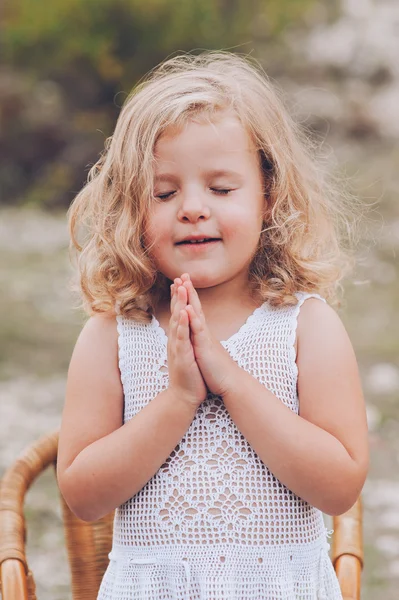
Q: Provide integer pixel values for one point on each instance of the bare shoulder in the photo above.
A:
(314, 309)
(101, 325)
(329, 387)
(319, 323)
(96, 352)
(102, 321)
(306, 313)
(98, 343)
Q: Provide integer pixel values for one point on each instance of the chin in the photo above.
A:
(203, 280)
(199, 276)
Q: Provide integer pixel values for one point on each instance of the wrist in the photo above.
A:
(183, 400)
(233, 379)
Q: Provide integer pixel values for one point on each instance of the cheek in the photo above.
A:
(243, 227)
(157, 227)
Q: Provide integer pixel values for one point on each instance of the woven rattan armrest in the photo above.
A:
(17, 581)
(347, 550)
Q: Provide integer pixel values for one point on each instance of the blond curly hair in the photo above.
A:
(307, 242)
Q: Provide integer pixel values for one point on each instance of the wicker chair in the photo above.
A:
(88, 544)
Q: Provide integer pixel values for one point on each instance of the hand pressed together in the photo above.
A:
(184, 374)
(213, 362)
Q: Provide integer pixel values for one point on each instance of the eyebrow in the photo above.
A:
(224, 173)
(211, 174)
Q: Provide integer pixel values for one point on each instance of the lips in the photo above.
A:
(198, 248)
(198, 241)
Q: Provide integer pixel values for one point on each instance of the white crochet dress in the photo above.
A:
(213, 523)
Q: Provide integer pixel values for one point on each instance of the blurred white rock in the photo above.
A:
(380, 493)
(373, 417)
(383, 378)
(32, 230)
(393, 569)
(362, 41)
(384, 107)
(359, 9)
(389, 519)
(388, 544)
(29, 408)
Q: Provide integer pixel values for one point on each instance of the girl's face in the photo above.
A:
(208, 183)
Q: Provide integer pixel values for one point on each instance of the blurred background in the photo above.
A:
(66, 67)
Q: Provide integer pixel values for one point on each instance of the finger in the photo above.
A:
(183, 331)
(177, 299)
(180, 303)
(174, 316)
(176, 283)
(173, 298)
(182, 296)
(193, 298)
(185, 277)
(196, 324)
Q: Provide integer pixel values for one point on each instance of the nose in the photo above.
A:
(193, 207)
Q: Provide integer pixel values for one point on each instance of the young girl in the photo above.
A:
(213, 396)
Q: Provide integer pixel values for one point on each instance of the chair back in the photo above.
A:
(88, 546)
(347, 552)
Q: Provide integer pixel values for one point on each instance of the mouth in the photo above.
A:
(198, 242)
(198, 246)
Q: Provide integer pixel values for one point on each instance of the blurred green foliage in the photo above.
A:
(67, 66)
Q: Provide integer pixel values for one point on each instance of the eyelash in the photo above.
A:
(222, 192)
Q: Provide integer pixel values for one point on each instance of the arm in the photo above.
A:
(322, 453)
(102, 463)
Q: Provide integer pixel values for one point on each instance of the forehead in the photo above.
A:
(206, 139)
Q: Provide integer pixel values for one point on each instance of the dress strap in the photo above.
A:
(302, 296)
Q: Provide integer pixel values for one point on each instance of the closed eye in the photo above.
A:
(165, 196)
(223, 191)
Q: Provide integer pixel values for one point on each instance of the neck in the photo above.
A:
(217, 299)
